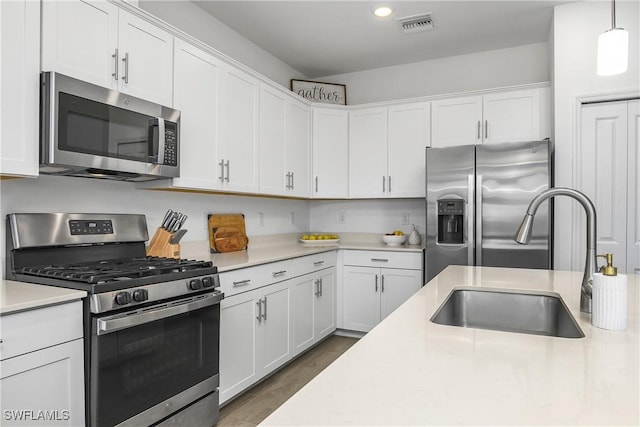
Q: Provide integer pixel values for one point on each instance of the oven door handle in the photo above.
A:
(124, 320)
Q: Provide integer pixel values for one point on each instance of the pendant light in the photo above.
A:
(613, 48)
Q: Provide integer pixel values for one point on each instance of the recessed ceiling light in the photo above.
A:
(383, 11)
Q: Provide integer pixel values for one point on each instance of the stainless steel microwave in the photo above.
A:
(91, 131)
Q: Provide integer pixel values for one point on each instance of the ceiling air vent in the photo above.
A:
(416, 23)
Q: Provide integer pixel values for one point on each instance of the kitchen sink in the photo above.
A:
(509, 311)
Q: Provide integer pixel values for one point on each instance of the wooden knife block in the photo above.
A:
(160, 246)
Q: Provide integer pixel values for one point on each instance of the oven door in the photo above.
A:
(149, 363)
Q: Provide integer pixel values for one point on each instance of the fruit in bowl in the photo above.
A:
(308, 238)
(395, 238)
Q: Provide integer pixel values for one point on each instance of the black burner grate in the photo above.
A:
(116, 270)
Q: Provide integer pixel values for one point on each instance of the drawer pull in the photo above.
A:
(279, 273)
(317, 263)
(242, 283)
(380, 259)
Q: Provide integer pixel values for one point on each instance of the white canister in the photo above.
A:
(609, 302)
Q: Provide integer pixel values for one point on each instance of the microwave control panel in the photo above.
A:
(171, 144)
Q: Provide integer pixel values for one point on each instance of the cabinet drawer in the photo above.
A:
(36, 329)
(310, 263)
(245, 279)
(384, 259)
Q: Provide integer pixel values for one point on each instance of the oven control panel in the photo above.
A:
(83, 227)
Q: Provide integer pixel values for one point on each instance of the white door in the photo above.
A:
(633, 213)
(79, 39)
(330, 153)
(304, 293)
(275, 337)
(456, 121)
(368, 153)
(146, 60)
(409, 136)
(50, 379)
(196, 95)
(272, 142)
(361, 298)
(397, 286)
(297, 148)
(513, 116)
(238, 129)
(238, 338)
(325, 304)
(19, 91)
(602, 176)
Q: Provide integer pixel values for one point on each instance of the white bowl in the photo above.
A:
(394, 240)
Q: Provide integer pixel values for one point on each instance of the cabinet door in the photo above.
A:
(409, 136)
(515, 116)
(272, 142)
(396, 287)
(456, 121)
(275, 337)
(330, 153)
(146, 53)
(304, 290)
(368, 152)
(633, 205)
(361, 298)
(51, 379)
(325, 304)
(297, 148)
(79, 39)
(238, 337)
(237, 129)
(196, 94)
(19, 92)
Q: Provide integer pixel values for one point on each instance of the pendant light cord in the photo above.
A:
(613, 14)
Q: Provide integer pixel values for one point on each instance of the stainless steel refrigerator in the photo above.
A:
(476, 198)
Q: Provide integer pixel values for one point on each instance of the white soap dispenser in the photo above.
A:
(414, 236)
(609, 298)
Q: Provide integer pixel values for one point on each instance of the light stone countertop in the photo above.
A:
(20, 296)
(265, 249)
(410, 371)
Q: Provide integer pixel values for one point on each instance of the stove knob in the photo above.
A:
(123, 298)
(195, 284)
(207, 282)
(140, 295)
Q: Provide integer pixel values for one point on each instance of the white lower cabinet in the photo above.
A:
(371, 293)
(42, 367)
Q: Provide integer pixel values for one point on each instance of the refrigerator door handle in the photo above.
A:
(479, 219)
(469, 213)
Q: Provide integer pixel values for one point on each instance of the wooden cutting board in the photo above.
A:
(227, 233)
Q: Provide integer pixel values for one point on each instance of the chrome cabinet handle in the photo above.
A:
(316, 184)
(320, 286)
(264, 316)
(380, 259)
(382, 284)
(278, 273)
(317, 283)
(125, 77)
(486, 129)
(221, 164)
(226, 165)
(259, 304)
(241, 283)
(318, 263)
(384, 178)
(376, 283)
(478, 129)
(287, 185)
(389, 183)
(115, 63)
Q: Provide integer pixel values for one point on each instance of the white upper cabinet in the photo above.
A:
(509, 116)
(298, 147)
(19, 91)
(386, 151)
(238, 130)
(195, 95)
(330, 178)
(409, 132)
(98, 42)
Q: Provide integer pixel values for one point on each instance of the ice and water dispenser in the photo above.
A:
(450, 221)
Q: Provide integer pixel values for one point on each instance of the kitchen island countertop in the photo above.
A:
(19, 296)
(410, 371)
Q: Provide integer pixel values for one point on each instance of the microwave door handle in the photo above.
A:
(161, 141)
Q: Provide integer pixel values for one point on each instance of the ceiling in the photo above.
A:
(322, 38)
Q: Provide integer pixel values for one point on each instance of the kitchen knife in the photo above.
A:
(172, 222)
(177, 236)
(181, 222)
(174, 226)
(165, 220)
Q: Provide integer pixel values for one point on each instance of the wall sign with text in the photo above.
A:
(327, 93)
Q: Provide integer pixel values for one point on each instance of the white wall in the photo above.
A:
(194, 21)
(476, 71)
(576, 30)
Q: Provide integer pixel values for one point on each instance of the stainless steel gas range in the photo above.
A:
(151, 324)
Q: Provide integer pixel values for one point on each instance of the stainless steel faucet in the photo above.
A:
(523, 236)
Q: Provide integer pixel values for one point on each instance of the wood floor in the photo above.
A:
(257, 403)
